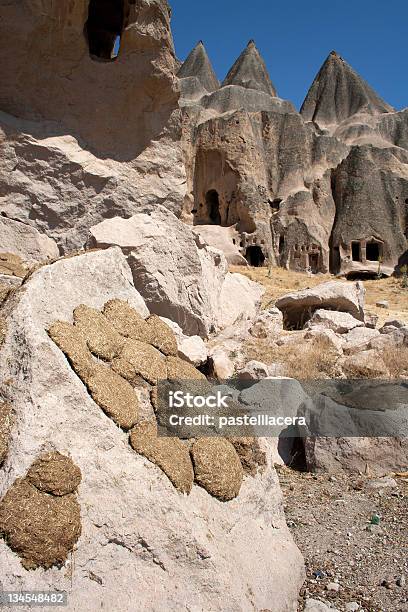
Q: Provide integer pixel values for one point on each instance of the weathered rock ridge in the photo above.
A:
(324, 189)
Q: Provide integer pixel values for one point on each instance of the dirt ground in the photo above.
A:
(330, 520)
(284, 281)
(351, 562)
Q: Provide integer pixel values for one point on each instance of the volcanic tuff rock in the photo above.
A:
(137, 529)
(297, 188)
(338, 93)
(63, 124)
(198, 66)
(177, 273)
(249, 71)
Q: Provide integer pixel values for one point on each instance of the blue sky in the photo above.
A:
(295, 38)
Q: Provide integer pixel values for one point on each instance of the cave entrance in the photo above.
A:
(373, 251)
(212, 201)
(356, 251)
(254, 256)
(104, 28)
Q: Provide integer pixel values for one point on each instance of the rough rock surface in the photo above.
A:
(66, 160)
(249, 71)
(178, 275)
(339, 322)
(25, 241)
(338, 93)
(298, 307)
(198, 66)
(136, 528)
(376, 456)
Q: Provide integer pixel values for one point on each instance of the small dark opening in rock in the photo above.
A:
(104, 28)
(314, 262)
(362, 275)
(356, 251)
(281, 244)
(373, 251)
(213, 206)
(275, 204)
(254, 256)
(292, 450)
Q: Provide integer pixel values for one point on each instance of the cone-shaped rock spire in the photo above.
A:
(250, 71)
(198, 65)
(338, 93)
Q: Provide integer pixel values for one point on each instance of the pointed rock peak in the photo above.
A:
(198, 65)
(250, 71)
(338, 93)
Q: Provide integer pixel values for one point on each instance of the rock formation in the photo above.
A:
(138, 527)
(96, 132)
(295, 189)
(128, 183)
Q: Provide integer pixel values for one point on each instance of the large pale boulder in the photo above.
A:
(178, 274)
(377, 456)
(299, 306)
(364, 433)
(240, 298)
(25, 241)
(359, 338)
(137, 529)
(268, 323)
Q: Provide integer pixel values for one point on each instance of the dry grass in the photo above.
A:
(284, 281)
(302, 360)
(396, 360)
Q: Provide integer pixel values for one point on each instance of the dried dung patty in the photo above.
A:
(115, 396)
(169, 454)
(127, 321)
(100, 335)
(140, 359)
(54, 473)
(42, 529)
(72, 343)
(217, 467)
(177, 369)
(162, 336)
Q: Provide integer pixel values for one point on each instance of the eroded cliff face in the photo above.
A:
(299, 188)
(89, 122)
